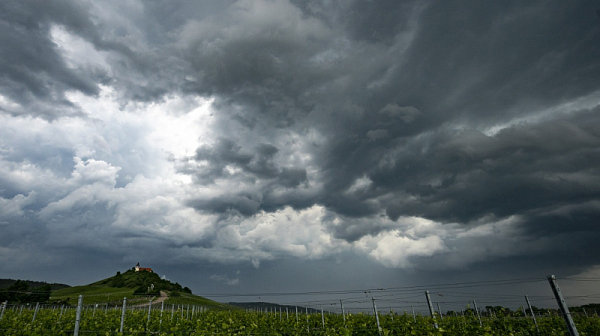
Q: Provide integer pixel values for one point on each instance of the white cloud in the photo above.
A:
(13, 207)
(394, 250)
(225, 279)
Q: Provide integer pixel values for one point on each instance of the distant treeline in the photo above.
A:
(5, 283)
(19, 292)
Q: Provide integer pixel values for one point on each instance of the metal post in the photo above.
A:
(343, 312)
(440, 311)
(296, 314)
(376, 316)
(149, 309)
(78, 315)
(532, 313)
(413, 313)
(307, 324)
(37, 307)
(123, 314)
(4, 304)
(322, 317)
(162, 307)
(477, 311)
(563, 306)
(435, 325)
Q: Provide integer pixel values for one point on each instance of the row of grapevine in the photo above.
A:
(183, 320)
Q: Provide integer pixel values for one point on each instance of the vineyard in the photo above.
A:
(188, 314)
(192, 320)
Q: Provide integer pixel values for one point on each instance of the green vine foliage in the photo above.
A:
(181, 321)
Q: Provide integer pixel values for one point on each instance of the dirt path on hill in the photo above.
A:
(163, 296)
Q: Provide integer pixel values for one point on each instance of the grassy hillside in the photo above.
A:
(135, 286)
(93, 294)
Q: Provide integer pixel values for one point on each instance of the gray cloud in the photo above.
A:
(409, 133)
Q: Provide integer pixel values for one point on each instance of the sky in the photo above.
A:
(294, 146)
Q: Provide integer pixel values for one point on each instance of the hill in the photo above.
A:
(143, 283)
(137, 287)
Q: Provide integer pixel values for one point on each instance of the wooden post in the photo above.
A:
(435, 325)
(413, 313)
(78, 315)
(563, 306)
(322, 317)
(440, 311)
(296, 314)
(123, 314)
(343, 312)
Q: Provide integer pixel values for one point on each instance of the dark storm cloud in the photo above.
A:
(227, 160)
(256, 164)
(387, 102)
(467, 175)
(374, 110)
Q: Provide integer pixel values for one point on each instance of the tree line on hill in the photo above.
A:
(144, 282)
(20, 292)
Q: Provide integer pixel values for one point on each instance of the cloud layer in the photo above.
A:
(420, 135)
